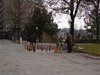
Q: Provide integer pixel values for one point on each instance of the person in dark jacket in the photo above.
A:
(33, 42)
(69, 42)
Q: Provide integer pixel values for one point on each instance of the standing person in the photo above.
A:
(33, 42)
(69, 42)
(58, 45)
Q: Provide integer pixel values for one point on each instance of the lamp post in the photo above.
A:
(36, 32)
(36, 28)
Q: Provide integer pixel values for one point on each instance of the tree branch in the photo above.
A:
(78, 3)
(93, 2)
(66, 2)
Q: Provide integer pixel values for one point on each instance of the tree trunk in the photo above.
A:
(15, 35)
(72, 30)
(72, 20)
(97, 20)
(19, 34)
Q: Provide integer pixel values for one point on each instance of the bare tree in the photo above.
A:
(94, 15)
(18, 13)
(70, 7)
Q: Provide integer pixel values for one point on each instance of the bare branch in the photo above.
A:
(66, 2)
(78, 3)
(93, 3)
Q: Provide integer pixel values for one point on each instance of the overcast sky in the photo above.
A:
(62, 21)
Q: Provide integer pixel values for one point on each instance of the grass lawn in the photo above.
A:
(88, 48)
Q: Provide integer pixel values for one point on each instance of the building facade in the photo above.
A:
(1, 14)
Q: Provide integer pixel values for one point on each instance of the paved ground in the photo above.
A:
(15, 60)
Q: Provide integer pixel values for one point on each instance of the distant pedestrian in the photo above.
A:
(69, 42)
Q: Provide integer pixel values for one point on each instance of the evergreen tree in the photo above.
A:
(42, 20)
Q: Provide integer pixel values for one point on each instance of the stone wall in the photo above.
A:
(46, 38)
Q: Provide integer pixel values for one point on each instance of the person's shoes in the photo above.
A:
(33, 50)
(69, 52)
